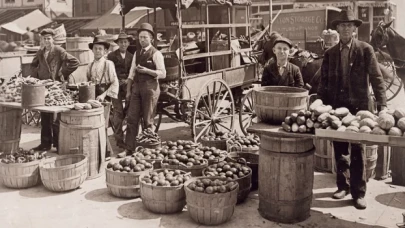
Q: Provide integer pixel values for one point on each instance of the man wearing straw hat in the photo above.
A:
(122, 60)
(51, 62)
(143, 87)
(347, 70)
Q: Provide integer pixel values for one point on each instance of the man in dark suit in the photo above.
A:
(122, 60)
(347, 70)
(51, 62)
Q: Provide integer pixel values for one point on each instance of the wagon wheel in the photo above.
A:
(247, 115)
(393, 84)
(31, 117)
(214, 109)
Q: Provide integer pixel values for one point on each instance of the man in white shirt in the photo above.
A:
(143, 87)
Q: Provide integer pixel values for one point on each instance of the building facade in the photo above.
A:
(52, 8)
(89, 8)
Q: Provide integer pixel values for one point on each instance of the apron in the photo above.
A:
(100, 87)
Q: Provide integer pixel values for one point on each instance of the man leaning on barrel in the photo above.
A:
(347, 69)
(51, 62)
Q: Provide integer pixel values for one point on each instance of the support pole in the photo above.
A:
(123, 16)
(154, 22)
(271, 15)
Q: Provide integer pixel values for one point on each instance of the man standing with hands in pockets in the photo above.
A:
(143, 87)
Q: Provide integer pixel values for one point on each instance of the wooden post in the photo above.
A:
(154, 23)
(207, 39)
(180, 27)
(271, 15)
(123, 16)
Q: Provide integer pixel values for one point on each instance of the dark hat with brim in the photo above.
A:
(346, 16)
(146, 27)
(123, 35)
(101, 41)
(47, 31)
(283, 40)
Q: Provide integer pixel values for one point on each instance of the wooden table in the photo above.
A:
(276, 131)
(46, 109)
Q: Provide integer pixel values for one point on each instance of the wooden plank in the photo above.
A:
(240, 76)
(208, 54)
(276, 131)
(352, 137)
(236, 25)
(195, 84)
(46, 109)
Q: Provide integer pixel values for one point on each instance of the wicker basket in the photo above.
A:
(237, 147)
(217, 160)
(210, 209)
(20, 175)
(195, 170)
(252, 160)
(66, 173)
(156, 162)
(245, 183)
(219, 144)
(124, 185)
(149, 145)
(163, 200)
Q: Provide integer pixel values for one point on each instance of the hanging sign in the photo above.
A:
(323, 4)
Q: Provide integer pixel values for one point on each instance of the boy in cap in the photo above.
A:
(143, 87)
(122, 60)
(51, 62)
(281, 72)
(347, 69)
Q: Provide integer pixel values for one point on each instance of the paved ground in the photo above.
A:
(92, 206)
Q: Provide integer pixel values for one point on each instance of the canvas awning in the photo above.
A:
(33, 20)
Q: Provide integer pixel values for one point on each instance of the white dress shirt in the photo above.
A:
(95, 72)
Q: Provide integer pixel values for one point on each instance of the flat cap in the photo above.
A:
(283, 40)
(47, 31)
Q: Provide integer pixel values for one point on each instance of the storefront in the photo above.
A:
(370, 12)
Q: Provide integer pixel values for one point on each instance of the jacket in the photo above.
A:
(291, 76)
(122, 66)
(363, 70)
(58, 65)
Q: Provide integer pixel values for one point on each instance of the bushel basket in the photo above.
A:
(123, 184)
(20, 175)
(252, 161)
(66, 173)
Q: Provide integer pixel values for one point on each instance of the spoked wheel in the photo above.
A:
(247, 115)
(393, 83)
(31, 117)
(214, 109)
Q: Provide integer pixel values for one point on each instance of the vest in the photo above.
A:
(145, 60)
(121, 66)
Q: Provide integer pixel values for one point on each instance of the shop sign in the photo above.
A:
(323, 4)
(176, 23)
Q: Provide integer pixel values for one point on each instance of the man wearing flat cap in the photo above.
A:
(51, 62)
(281, 72)
(122, 60)
(143, 87)
(347, 70)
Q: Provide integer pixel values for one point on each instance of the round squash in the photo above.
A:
(401, 124)
(386, 121)
(394, 131)
(365, 129)
(378, 131)
(399, 113)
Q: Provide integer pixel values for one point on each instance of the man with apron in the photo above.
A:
(122, 60)
(51, 62)
(143, 87)
(102, 71)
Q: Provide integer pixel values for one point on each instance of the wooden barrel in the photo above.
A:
(383, 162)
(274, 103)
(286, 178)
(20, 175)
(10, 125)
(210, 209)
(195, 170)
(172, 69)
(66, 173)
(32, 95)
(83, 55)
(83, 132)
(371, 161)
(398, 165)
(163, 200)
(252, 160)
(73, 43)
(124, 185)
(324, 155)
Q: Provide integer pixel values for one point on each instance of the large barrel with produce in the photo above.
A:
(286, 178)
(83, 132)
(274, 103)
(83, 55)
(73, 43)
(398, 166)
(10, 123)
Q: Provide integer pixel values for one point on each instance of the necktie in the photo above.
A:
(143, 51)
(344, 60)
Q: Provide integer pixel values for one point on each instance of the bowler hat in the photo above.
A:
(282, 40)
(123, 35)
(146, 27)
(346, 16)
(47, 31)
(99, 40)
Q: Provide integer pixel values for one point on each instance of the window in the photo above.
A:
(255, 9)
(288, 6)
(10, 1)
(85, 6)
(30, 0)
(264, 8)
(276, 7)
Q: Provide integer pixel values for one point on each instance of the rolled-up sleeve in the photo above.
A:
(132, 70)
(159, 61)
(112, 91)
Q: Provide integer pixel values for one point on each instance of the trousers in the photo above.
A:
(144, 98)
(49, 129)
(351, 169)
(119, 113)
